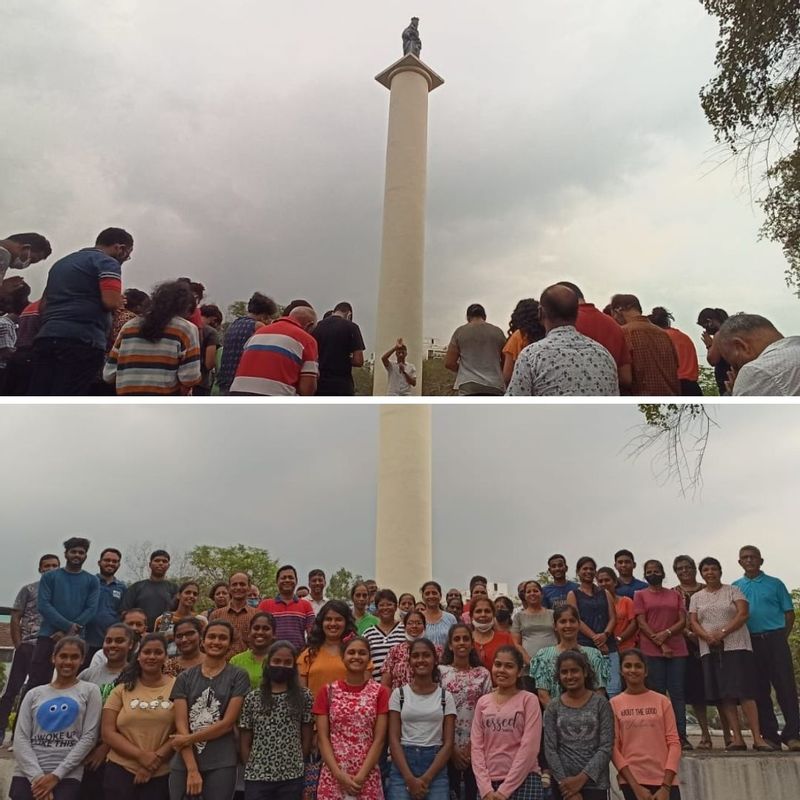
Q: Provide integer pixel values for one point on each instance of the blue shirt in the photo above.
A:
(108, 605)
(66, 599)
(629, 589)
(73, 307)
(554, 596)
(769, 601)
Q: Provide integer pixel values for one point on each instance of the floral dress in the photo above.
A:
(397, 666)
(467, 687)
(352, 712)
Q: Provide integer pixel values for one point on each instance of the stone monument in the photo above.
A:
(400, 292)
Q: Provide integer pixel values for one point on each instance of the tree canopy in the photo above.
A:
(753, 105)
(209, 564)
(340, 583)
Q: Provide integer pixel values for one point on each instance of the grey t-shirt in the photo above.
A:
(101, 676)
(480, 346)
(207, 699)
(579, 740)
(56, 730)
(26, 603)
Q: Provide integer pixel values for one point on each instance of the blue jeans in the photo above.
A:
(419, 760)
(614, 679)
(666, 676)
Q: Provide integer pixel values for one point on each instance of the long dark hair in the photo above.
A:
(170, 299)
(133, 671)
(435, 675)
(294, 692)
(316, 637)
(589, 679)
(525, 319)
(448, 656)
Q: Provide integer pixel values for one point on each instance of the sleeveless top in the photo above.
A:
(594, 612)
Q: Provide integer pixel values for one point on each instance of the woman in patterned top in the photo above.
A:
(275, 729)
(188, 594)
(467, 680)
(396, 668)
(352, 720)
(187, 633)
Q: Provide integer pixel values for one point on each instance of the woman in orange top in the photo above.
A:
(485, 636)
(321, 662)
(524, 328)
(688, 366)
(626, 627)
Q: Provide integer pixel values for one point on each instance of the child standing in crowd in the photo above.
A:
(566, 621)
(437, 622)
(57, 727)
(397, 668)
(321, 662)
(138, 720)
(578, 732)
(188, 634)
(421, 727)
(188, 593)
(486, 637)
(208, 699)
(467, 680)
(647, 748)
(359, 596)
(351, 719)
(260, 638)
(532, 628)
(506, 734)
(275, 729)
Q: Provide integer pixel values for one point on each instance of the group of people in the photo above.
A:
(135, 692)
(86, 336)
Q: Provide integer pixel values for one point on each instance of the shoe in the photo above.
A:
(765, 748)
(705, 744)
(793, 745)
(737, 748)
(686, 745)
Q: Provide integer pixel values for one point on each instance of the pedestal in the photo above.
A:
(400, 292)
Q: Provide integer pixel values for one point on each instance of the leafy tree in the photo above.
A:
(208, 564)
(753, 105)
(544, 578)
(707, 381)
(136, 561)
(340, 584)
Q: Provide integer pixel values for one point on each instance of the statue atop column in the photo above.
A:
(411, 41)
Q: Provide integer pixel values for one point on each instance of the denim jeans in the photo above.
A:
(614, 679)
(666, 676)
(418, 760)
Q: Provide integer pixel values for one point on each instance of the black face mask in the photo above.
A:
(654, 580)
(503, 615)
(280, 674)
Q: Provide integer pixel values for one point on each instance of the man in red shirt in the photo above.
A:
(294, 615)
(281, 358)
(599, 326)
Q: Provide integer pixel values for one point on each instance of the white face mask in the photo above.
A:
(483, 627)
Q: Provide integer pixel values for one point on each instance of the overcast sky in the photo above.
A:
(243, 144)
(510, 486)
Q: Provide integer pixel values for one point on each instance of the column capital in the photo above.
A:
(410, 63)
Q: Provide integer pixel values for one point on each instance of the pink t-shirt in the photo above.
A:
(646, 737)
(505, 741)
(662, 610)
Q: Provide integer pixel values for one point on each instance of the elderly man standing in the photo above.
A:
(765, 362)
(770, 624)
(238, 612)
(565, 362)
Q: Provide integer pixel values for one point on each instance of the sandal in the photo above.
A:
(738, 748)
(705, 743)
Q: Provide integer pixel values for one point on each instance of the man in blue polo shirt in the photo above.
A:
(82, 290)
(770, 622)
(554, 595)
(625, 565)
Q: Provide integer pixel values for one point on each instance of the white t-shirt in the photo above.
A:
(398, 385)
(422, 715)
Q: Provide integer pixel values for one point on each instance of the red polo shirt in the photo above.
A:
(605, 331)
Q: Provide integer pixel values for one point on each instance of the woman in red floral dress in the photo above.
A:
(352, 719)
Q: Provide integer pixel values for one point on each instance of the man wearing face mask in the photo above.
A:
(341, 347)
(19, 251)
(82, 290)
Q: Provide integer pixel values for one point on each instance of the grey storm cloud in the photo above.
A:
(244, 145)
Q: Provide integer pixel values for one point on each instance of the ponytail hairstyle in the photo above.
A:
(518, 660)
(133, 671)
(448, 656)
(589, 680)
(435, 674)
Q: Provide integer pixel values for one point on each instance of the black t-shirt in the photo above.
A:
(337, 338)
(153, 597)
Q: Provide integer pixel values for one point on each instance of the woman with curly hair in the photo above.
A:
(159, 352)
(321, 662)
(524, 328)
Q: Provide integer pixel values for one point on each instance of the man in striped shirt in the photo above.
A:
(387, 633)
(293, 615)
(281, 358)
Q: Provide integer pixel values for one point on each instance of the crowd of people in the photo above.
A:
(141, 691)
(85, 335)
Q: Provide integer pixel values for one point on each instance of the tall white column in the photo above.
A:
(400, 293)
(403, 556)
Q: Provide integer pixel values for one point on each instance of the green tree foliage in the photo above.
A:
(753, 105)
(208, 564)
(707, 381)
(340, 583)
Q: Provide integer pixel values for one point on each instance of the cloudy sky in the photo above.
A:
(243, 144)
(510, 486)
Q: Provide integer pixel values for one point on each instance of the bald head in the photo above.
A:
(559, 305)
(743, 337)
(304, 316)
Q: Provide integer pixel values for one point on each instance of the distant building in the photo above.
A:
(433, 348)
(493, 590)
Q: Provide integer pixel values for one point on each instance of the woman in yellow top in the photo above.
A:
(138, 720)
(321, 662)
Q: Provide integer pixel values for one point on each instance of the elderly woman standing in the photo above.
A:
(718, 616)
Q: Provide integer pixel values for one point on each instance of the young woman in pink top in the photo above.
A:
(647, 748)
(506, 734)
